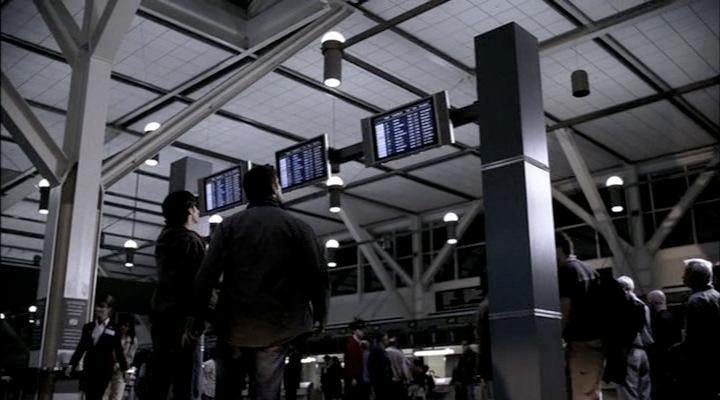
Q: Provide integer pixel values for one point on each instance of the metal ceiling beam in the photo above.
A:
(447, 250)
(630, 61)
(590, 190)
(420, 43)
(30, 134)
(362, 236)
(592, 29)
(412, 13)
(62, 26)
(575, 208)
(629, 105)
(180, 123)
(677, 212)
(17, 192)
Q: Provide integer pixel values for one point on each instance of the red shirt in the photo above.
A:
(353, 359)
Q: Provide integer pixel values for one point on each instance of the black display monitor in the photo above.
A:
(303, 164)
(409, 129)
(222, 190)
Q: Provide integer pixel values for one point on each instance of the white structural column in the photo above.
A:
(640, 258)
(447, 249)
(575, 208)
(417, 251)
(30, 134)
(130, 158)
(392, 263)
(677, 212)
(18, 188)
(587, 184)
(71, 244)
(363, 239)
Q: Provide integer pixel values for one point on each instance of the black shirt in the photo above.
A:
(578, 281)
(178, 253)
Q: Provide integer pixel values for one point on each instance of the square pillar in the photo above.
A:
(525, 320)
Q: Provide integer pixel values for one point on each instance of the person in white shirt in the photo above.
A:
(100, 346)
(116, 390)
(208, 377)
(400, 367)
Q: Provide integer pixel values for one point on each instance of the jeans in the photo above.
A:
(264, 367)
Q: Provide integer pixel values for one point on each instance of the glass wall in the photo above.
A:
(659, 193)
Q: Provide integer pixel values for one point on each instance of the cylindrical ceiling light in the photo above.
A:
(614, 185)
(32, 309)
(214, 221)
(331, 247)
(335, 185)
(130, 247)
(332, 49)
(155, 160)
(451, 220)
(44, 186)
(580, 83)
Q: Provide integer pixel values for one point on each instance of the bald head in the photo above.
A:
(698, 273)
(656, 299)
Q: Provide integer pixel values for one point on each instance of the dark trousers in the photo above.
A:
(173, 364)
(94, 385)
(358, 391)
(264, 367)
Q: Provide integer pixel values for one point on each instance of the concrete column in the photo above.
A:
(640, 259)
(186, 172)
(72, 243)
(522, 272)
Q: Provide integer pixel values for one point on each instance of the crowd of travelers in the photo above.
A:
(265, 279)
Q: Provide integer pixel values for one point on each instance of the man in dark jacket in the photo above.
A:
(178, 253)
(702, 330)
(100, 344)
(581, 325)
(274, 288)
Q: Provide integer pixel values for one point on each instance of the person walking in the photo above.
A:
(116, 390)
(100, 345)
(637, 384)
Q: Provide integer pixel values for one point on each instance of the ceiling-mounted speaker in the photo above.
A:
(580, 83)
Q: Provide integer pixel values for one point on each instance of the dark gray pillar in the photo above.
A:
(185, 173)
(522, 273)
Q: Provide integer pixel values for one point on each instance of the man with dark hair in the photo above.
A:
(100, 344)
(274, 288)
(178, 253)
(702, 329)
(353, 357)
(581, 327)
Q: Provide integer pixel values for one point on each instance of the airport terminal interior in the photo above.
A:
(435, 147)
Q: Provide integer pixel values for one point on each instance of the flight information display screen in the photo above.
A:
(303, 164)
(222, 190)
(406, 130)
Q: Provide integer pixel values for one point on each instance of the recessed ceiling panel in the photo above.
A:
(301, 110)
(163, 57)
(405, 193)
(453, 26)
(706, 101)
(464, 174)
(610, 82)
(680, 45)
(647, 131)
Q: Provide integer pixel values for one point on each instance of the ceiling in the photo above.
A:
(432, 51)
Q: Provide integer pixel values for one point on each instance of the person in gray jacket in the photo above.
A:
(274, 288)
